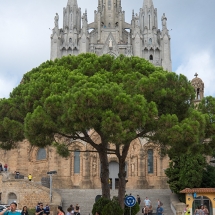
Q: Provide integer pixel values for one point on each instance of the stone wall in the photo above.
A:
(27, 193)
(24, 159)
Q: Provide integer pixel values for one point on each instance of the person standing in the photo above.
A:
(69, 211)
(47, 209)
(159, 210)
(77, 210)
(150, 210)
(73, 209)
(206, 212)
(187, 210)
(5, 167)
(11, 210)
(147, 202)
(60, 211)
(40, 210)
(24, 211)
(138, 199)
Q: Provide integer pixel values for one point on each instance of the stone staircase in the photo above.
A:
(86, 198)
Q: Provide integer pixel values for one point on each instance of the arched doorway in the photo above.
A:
(11, 198)
(113, 175)
(202, 200)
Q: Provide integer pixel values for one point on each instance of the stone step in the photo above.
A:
(86, 198)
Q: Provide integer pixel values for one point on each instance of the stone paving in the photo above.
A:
(86, 198)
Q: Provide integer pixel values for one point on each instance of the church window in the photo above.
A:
(150, 41)
(70, 40)
(109, 4)
(41, 154)
(12, 197)
(76, 162)
(198, 93)
(150, 161)
(151, 57)
(149, 22)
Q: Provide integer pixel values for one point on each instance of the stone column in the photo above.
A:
(142, 182)
(86, 183)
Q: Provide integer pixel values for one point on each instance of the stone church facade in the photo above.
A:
(111, 34)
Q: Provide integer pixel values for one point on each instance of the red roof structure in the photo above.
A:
(198, 190)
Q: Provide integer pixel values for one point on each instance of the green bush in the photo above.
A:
(31, 211)
(134, 210)
(112, 208)
(99, 205)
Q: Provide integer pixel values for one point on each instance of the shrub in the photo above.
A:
(99, 205)
(112, 208)
(134, 210)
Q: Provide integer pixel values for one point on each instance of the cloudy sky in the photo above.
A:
(25, 36)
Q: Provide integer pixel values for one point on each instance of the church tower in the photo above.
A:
(155, 42)
(109, 33)
(65, 41)
(198, 86)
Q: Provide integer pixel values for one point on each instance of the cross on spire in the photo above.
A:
(196, 74)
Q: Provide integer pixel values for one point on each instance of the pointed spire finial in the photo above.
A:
(148, 3)
(196, 74)
(72, 2)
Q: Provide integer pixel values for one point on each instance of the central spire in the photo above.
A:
(148, 3)
(72, 2)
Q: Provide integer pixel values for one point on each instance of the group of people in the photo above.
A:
(73, 210)
(42, 210)
(12, 210)
(200, 210)
(3, 168)
(147, 208)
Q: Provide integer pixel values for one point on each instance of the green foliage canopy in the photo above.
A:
(115, 97)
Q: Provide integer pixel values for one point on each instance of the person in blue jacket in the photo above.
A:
(159, 210)
(47, 209)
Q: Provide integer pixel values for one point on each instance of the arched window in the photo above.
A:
(41, 154)
(151, 57)
(149, 22)
(76, 162)
(198, 94)
(150, 161)
(150, 41)
(11, 198)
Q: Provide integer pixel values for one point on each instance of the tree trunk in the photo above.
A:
(122, 173)
(104, 174)
(122, 182)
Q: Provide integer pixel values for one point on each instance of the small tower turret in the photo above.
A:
(165, 44)
(198, 85)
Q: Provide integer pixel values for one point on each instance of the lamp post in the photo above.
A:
(50, 173)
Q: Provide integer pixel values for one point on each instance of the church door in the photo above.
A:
(113, 176)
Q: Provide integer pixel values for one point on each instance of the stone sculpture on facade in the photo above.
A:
(56, 20)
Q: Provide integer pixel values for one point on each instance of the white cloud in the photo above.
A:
(202, 63)
(7, 86)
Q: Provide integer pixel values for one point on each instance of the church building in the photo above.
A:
(108, 34)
